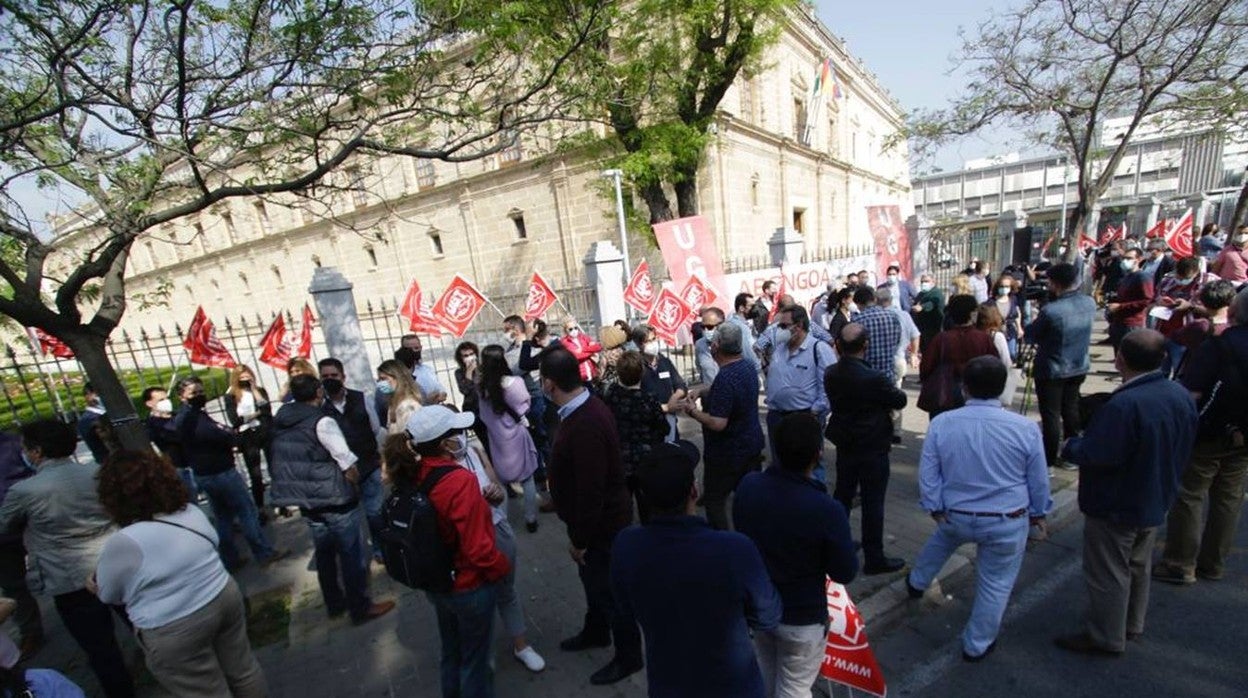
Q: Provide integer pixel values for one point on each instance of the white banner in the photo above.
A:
(804, 282)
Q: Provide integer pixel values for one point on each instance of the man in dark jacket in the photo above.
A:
(315, 470)
(1062, 333)
(14, 469)
(804, 536)
(208, 450)
(1130, 458)
(591, 497)
(363, 433)
(1135, 294)
(160, 432)
(862, 430)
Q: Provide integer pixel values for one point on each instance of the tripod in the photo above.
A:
(1026, 362)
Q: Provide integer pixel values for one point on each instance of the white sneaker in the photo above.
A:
(530, 659)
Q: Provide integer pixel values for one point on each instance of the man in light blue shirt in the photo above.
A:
(431, 390)
(908, 344)
(795, 374)
(983, 478)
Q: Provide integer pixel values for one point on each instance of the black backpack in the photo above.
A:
(414, 552)
(1221, 408)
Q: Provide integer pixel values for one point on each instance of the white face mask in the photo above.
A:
(1241, 240)
(853, 307)
(1003, 291)
(651, 348)
(892, 278)
(460, 451)
(783, 336)
(925, 285)
(165, 406)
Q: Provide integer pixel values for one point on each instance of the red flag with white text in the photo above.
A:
(640, 290)
(275, 346)
(848, 658)
(1179, 236)
(540, 298)
(697, 294)
(202, 343)
(305, 332)
(459, 305)
(668, 315)
(417, 309)
(47, 344)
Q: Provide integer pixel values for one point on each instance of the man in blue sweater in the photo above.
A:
(1130, 458)
(695, 591)
(804, 536)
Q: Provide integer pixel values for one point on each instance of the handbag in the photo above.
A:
(942, 390)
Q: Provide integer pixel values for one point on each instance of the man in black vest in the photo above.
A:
(315, 470)
(363, 432)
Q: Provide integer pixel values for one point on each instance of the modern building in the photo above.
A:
(536, 206)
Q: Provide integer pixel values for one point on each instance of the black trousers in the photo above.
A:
(719, 479)
(13, 584)
(868, 472)
(601, 616)
(90, 622)
(254, 443)
(1058, 400)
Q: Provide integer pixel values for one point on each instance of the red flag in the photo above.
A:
(1086, 243)
(417, 309)
(668, 315)
(775, 308)
(1111, 233)
(1044, 251)
(459, 306)
(202, 343)
(48, 344)
(848, 658)
(305, 332)
(1158, 230)
(640, 290)
(697, 294)
(541, 297)
(275, 345)
(1179, 236)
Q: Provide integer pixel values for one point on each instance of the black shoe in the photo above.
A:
(912, 590)
(896, 439)
(581, 641)
(531, 526)
(614, 672)
(979, 658)
(1082, 644)
(336, 613)
(883, 566)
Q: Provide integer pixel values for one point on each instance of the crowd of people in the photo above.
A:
(597, 430)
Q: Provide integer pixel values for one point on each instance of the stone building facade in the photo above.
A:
(537, 207)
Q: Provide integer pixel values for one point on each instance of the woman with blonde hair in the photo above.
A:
(394, 380)
(297, 366)
(249, 411)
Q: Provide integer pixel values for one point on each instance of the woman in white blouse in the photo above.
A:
(163, 566)
(394, 380)
(988, 318)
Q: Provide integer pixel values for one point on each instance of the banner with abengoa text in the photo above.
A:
(848, 658)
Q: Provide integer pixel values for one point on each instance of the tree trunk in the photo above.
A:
(656, 200)
(687, 195)
(1241, 207)
(89, 348)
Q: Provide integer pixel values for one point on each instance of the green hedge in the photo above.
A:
(69, 386)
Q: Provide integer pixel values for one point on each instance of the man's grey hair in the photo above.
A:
(1239, 308)
(883, 296)
(728, 337)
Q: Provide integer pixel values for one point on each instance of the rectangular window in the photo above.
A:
(308, 200)
(262, 218)
(522, 233)
(513, 153)
(231, 233)
(435, 240)
(425, 175)
(799, 121)
(799, 220)
(747, 100)
(355, 182)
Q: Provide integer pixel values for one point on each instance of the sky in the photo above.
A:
(910, 46)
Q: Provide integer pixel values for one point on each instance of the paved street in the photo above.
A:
(397, 655)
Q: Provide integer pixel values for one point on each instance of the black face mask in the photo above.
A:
(332, 386)
(245, 384)
(198, 401)
(416, 353)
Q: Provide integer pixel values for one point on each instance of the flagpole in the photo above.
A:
(174, 378)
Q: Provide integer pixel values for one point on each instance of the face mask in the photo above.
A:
(651, 348)
(165, 406)
(385, 388)
(1241, 240)
(709, 336)
(853, 307)
(925, 285)
(1128, 265)
(460, 450)
(783, 336)
(892, 278)
(332, 386)
(574, 332)
(198, 401)
(417, 355)
(1004, 291)
(1185, 282)
(245, 385)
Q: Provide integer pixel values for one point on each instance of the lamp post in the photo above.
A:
(618, 176)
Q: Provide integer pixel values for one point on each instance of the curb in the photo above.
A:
(891, 602)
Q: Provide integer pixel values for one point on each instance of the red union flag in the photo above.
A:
(892, 241)
(697, 295)
(47, 344)
(202, 343)
(305, 332)
(1086, 244)
(668, 315)
(1179, 236)
(848, 658)
(781, 293)
(1158, 230)
(689, 248)
(459, 306)
(640, 290)
(541, 297)
(275, 346)
(417, 309)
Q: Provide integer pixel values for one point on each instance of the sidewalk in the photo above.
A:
(397, 655)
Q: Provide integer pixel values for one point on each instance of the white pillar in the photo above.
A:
(785, 246)
(340, 323)
(604, 268)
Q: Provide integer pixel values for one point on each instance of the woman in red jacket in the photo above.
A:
(584, 348)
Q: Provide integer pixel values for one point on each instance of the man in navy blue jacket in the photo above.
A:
(695, 591)
(804, 536)
(1130, 459)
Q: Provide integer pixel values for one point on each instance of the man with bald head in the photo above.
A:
(1130, 458)
(862, 430)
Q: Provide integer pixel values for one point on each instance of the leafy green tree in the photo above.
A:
(147, 112)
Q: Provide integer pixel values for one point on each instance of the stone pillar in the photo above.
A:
(1008, 222)
(344, 339)
(919, 231)
(604, 268)
(785, 246)
(1201, 207)
(1144, 215)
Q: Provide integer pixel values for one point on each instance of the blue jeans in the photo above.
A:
(1174, 355)
(338, 546)
(372, 497)
(229, 499)
(466, 626)
(1000, 543)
